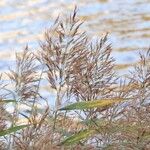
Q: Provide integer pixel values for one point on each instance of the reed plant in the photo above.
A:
(94, 107)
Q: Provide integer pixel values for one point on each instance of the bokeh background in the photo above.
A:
(127, 22)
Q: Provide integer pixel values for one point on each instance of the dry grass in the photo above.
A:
(77, 69)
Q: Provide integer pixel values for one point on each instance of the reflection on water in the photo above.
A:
(128, 22)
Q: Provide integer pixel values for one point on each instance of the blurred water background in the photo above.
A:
(24, 21)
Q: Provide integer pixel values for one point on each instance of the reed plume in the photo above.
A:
(80, 70)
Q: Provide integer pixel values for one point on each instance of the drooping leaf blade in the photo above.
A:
(91, 104)
(12, 129)
(75, 138)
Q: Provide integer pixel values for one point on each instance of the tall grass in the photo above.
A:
(94, 107)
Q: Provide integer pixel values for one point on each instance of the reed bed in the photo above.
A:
(95, 108)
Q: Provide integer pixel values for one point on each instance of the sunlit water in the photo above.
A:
(127, 21)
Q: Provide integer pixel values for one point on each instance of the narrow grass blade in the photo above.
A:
(75, 138)
(8, 101)
(12, 129)
(91, 104)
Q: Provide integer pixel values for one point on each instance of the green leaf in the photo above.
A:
(8, 101)
(75, 138)
(12, 129)
(91, 104)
